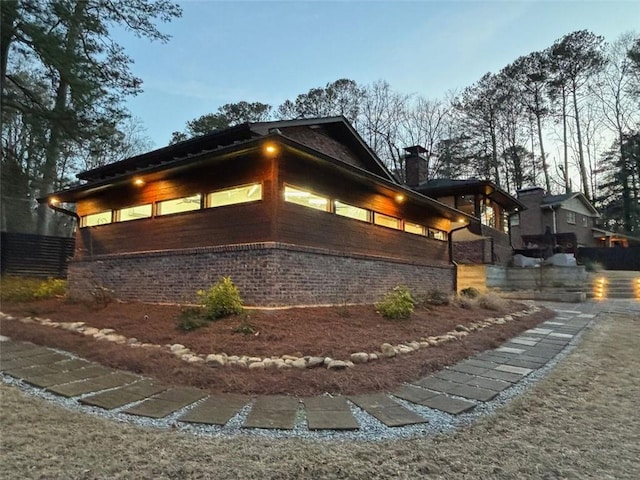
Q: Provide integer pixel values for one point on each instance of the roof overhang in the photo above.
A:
(483, 187)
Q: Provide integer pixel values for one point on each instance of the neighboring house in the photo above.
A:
(569, 215)
(295, 212)
(485, 241)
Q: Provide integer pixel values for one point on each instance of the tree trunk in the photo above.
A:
(581, 164)
(7, 24)
(545, 167)
(52, 154)
(567, 185)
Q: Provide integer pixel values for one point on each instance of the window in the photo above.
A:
(387, 221)
(305, 198)
(437, 234)
(515, 220)
(94, 219)
(414, 228)
(133, 213)
(585, 221)
(571, 217)
(177, 205)
(232, 196)
(488, 216)
(350, 211)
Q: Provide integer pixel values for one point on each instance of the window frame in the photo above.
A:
(400, 223)
(117, 213)
(571, 217)
(368, 212)
(327, 208)
(207, 195)
(158, 205)
(83, 219)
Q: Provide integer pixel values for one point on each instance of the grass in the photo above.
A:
(21, 289)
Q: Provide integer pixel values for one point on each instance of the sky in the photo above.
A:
(269, 51)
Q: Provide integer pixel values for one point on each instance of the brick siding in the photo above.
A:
(267, 274)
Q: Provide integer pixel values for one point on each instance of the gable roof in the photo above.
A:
(557, 201)
(447, 186)
(335, 137)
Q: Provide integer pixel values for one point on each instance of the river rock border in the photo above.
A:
(386, 350)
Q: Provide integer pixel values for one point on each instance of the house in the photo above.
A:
(297, 212)
(570, 217)
(486, 241)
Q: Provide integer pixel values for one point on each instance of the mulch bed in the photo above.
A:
(319, 331)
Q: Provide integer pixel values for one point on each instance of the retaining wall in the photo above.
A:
(267, 274)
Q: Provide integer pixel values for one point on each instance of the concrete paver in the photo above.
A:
(329, 413)
(216, 410)
(386, 410)
(414, 394)
(512, 369)
(41, 359)
(95, 384)
(273, 412)
(125, 395)
(447, 404)
(166, 402)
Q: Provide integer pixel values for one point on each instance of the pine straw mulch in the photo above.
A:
(318, 331)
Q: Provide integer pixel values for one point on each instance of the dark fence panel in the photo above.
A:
(35, 255)
(616, 258)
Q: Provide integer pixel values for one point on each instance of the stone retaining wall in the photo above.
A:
(267, 274)
(546, 276)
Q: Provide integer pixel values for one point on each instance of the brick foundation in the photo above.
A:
(267, 274)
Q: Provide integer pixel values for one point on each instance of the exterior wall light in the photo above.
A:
(138, 182)
(54, 201)
(399, 198)
(270, 149)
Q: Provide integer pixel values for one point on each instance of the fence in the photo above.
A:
(616, 258)
(35, 255)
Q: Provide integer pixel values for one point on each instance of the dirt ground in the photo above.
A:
(334, 332)
(579, 422)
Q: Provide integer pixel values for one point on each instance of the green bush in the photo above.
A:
(398, 304)
(245, 328)
(221, 300)
(19, 289)
(190, 318)
(470, 292)
(437, 298)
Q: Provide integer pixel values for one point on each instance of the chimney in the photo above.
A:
(531, 196)
(415, 166)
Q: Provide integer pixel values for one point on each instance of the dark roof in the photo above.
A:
(558, 200)
(441, 187)
(337, 128)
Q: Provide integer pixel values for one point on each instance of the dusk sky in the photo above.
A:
(269, 51)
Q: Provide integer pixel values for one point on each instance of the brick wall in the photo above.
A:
(267, 274)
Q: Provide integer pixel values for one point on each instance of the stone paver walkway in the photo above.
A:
(454, 390)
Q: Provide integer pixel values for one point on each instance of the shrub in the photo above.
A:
(437, 298)
(221, 300)
(19, 289)
(470, 292)
(245, 328)
(397, 304)
(53, 287)
(491, 301)
(462, 301)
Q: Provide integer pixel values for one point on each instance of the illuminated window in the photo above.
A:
(232, 196)
(437, 234)
(488, 215)
(387, 221)
(515, 220)
(305, 198)
(177, 205)
(571, 217)
(414, 228)
(350, 211)
(133, 213)
(94, 219)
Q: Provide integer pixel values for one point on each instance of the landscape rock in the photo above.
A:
(337, 365)
(215, 360)
(360, 357)
(313, 362)
(299, 363)
(257, 366)
(387, 350)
